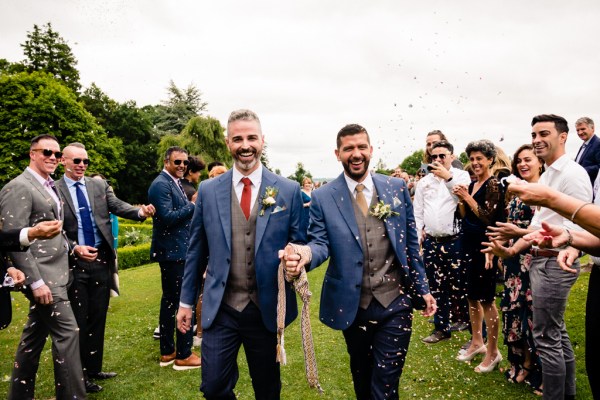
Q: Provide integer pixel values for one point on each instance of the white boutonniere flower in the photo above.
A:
(268, 199)
(382, 211)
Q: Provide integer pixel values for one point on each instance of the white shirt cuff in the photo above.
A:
(24, 237)
(183, 305)
(37, 284)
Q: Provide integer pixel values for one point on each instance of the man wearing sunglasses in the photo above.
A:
(25, 201)
(87, 204)
(170, 239)
(434, 206)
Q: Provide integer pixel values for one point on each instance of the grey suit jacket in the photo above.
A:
(25, 202)
(102, 202)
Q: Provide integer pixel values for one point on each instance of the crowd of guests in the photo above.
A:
(450, 234)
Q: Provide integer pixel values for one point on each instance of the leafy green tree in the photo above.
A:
(45, 50)
(173, 115)
(134, 127)
(300, 173)
(203, 136)
(6, 67)
(412, 163)
(36, 103)
(463, 158)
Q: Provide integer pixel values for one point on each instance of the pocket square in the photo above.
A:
(397, 202)
(279, 209)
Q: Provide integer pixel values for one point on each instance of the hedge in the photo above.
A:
(133, 256)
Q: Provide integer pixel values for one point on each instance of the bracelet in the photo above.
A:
(570, 240)
(577, 210)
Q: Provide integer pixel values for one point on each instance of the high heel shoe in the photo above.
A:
(469, 356)
(481, 369)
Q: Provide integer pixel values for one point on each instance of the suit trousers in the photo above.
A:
(56, 319)
(171, 274)
(5, 306)
(220, 347)
(90, 294)
(377, 342)
(592, 327)
(550, 287)
(441, 259)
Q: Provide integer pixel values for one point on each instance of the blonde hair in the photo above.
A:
(217, 170)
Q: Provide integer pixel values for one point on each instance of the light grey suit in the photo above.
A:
(25, 202)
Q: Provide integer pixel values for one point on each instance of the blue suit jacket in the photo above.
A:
(210, 245)
(171, 222)
(590, 159)
(333, 233)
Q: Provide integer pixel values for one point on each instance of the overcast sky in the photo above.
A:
(400, 69)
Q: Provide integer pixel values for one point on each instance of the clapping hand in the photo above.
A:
(44, 230)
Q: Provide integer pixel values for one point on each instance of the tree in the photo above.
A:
(412, 163)
(203, 136)
(463, 158)
(300, 173)
(173, 114)
(36, 103)
(133, 126)
(45, 50)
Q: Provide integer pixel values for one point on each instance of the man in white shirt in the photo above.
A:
(434, 207)
(550, 285)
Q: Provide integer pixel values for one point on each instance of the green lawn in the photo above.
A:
(430, 371)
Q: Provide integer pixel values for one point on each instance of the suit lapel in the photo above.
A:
(268, 179)
(223, 197)
(384, 193)
(91, 194)
(174, 187)
(66, 196)
(342, 198)
(40, 188)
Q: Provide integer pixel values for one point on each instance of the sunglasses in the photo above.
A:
(440, 156)
(48, 152)
(77, 161)
(178, 162)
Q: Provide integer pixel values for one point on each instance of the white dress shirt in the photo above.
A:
(570, 178)
(434, 204)
(238, 185)
(367, 191)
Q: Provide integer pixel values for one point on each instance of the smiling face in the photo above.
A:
(44, 165)
(442, 156)
(480, 164)
(584, 131)
(171, 166)
(355, 154)
(549, 145)
(245, 142)
(72, 170)
(528, 165)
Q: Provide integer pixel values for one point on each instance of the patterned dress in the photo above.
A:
(516, 303)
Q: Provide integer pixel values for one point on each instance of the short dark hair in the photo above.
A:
(484, 146)
(213, 164)
(174, 149)
(513, 163)
(445, 144)
(38, 138)
(559, 122)
(196, 164)
(350, 130)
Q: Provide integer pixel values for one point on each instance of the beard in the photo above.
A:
(247, 165)
(356, 175)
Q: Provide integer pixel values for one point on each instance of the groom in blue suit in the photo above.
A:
(363, 222)
(242, 218)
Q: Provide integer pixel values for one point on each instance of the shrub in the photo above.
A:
(133, 256)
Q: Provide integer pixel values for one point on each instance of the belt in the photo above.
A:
(442, 239)
(543, 252)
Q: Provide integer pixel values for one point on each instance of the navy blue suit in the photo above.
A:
(224, 329)
(170, 237)
(377, 350)
(590, 159)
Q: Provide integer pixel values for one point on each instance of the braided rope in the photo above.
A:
(301, 287)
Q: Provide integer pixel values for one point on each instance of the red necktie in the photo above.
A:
(246, 194)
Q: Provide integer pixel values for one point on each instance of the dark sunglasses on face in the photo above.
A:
(178, 162)
(48, 152)
(441, 156)
(77, 161)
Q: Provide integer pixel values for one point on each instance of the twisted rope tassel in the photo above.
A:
(301, 287)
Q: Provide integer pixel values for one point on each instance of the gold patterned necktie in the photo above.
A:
(361, 200)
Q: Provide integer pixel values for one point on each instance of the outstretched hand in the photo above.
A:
(503, 231)
(44, 230)
(549, 236)
(496, 248)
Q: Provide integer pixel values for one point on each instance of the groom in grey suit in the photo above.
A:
(26, 200)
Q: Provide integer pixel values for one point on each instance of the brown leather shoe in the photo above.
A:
(168, 359)
(193, 361)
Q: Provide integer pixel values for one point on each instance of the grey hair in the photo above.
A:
(484, 146)
(77, 144)
(585, 120)
(243, 115)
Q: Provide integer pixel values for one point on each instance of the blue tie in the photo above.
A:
(86, 217)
